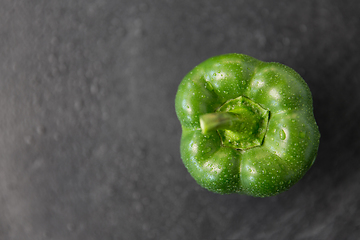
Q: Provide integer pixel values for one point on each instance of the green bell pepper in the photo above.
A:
(247, 126)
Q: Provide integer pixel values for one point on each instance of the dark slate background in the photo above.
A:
(89, 143)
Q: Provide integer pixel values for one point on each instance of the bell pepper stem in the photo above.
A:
(220, 120)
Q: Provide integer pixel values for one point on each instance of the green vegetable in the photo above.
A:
(247, 126)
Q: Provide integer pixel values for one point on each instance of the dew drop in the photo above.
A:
(282, 135)
(208, 149)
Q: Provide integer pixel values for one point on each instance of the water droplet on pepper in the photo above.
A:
(282, 135)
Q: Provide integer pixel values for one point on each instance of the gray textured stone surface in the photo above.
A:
(89, 143)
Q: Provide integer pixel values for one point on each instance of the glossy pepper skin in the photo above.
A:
(247, 126)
